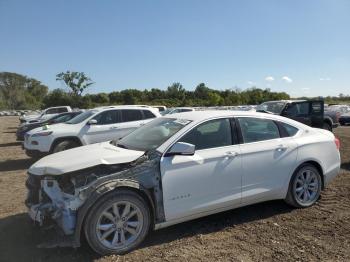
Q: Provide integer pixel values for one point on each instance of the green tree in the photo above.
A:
(176, 91)
(76, 81)
(21, 92)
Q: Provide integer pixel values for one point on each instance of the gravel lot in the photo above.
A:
(269, 231)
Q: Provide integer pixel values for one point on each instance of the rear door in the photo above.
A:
(130, 120)
(268, 159)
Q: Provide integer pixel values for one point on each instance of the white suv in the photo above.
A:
(93, 126)
(47, 113)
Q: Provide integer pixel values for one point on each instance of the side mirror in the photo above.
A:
(181, 148)
(92, 122)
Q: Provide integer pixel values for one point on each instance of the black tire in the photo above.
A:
(292, 198)
(327, 126)
(93, 217)
(64, 145)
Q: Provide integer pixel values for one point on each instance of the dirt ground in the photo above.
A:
(269, 231)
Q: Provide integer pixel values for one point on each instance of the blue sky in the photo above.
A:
(301, 47)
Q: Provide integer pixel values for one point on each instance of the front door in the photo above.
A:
(208, 180)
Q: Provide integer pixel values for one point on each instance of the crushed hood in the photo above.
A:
(83, 157)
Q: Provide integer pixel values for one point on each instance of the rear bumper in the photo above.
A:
(331, 174)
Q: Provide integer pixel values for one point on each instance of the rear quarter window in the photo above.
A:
(148, 114)
(289, 130)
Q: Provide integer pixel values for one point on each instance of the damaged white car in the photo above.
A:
(177, 168)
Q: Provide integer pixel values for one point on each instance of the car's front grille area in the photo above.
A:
(33, 185)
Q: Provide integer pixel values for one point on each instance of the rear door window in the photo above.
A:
(107, 117)
(62, 110)
(258, 129)
(51, 111)
(129, 115)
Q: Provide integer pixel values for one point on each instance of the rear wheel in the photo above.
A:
(64, 145)
(304, 187)
(117, 223)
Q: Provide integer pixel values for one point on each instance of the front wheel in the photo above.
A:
(64, 145)
(304, 187)
(117, 223)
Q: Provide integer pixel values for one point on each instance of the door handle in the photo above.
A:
(281, 148)
(231, 154)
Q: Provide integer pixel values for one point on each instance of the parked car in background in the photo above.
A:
(160, 108)
(47, 113)
(344, 119)
(177, 110)
(92, 126)
(308, 112)
(56, 119)
(177, 168)
(341, 111)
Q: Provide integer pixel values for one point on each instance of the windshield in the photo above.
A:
(80, 118)
(271, 107)
(153, 134)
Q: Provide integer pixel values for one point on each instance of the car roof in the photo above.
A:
(101, 108)
(207, 114)
(199, 116)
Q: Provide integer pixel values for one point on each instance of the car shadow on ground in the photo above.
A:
(11, 144)
(217, 222)
(19, 237)
(16, 164)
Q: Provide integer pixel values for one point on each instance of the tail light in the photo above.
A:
(337, 143)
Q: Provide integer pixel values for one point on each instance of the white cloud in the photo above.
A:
(287, 79)
(251, 83)
(325, 79)
(269, 78)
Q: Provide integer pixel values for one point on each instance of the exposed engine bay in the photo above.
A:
(65, 200)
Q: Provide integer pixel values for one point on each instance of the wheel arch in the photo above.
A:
(105, 189)
(60, 139)
(328, 120)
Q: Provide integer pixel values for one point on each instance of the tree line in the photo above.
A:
(21, 92)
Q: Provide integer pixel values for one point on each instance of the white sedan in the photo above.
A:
(177, 168)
